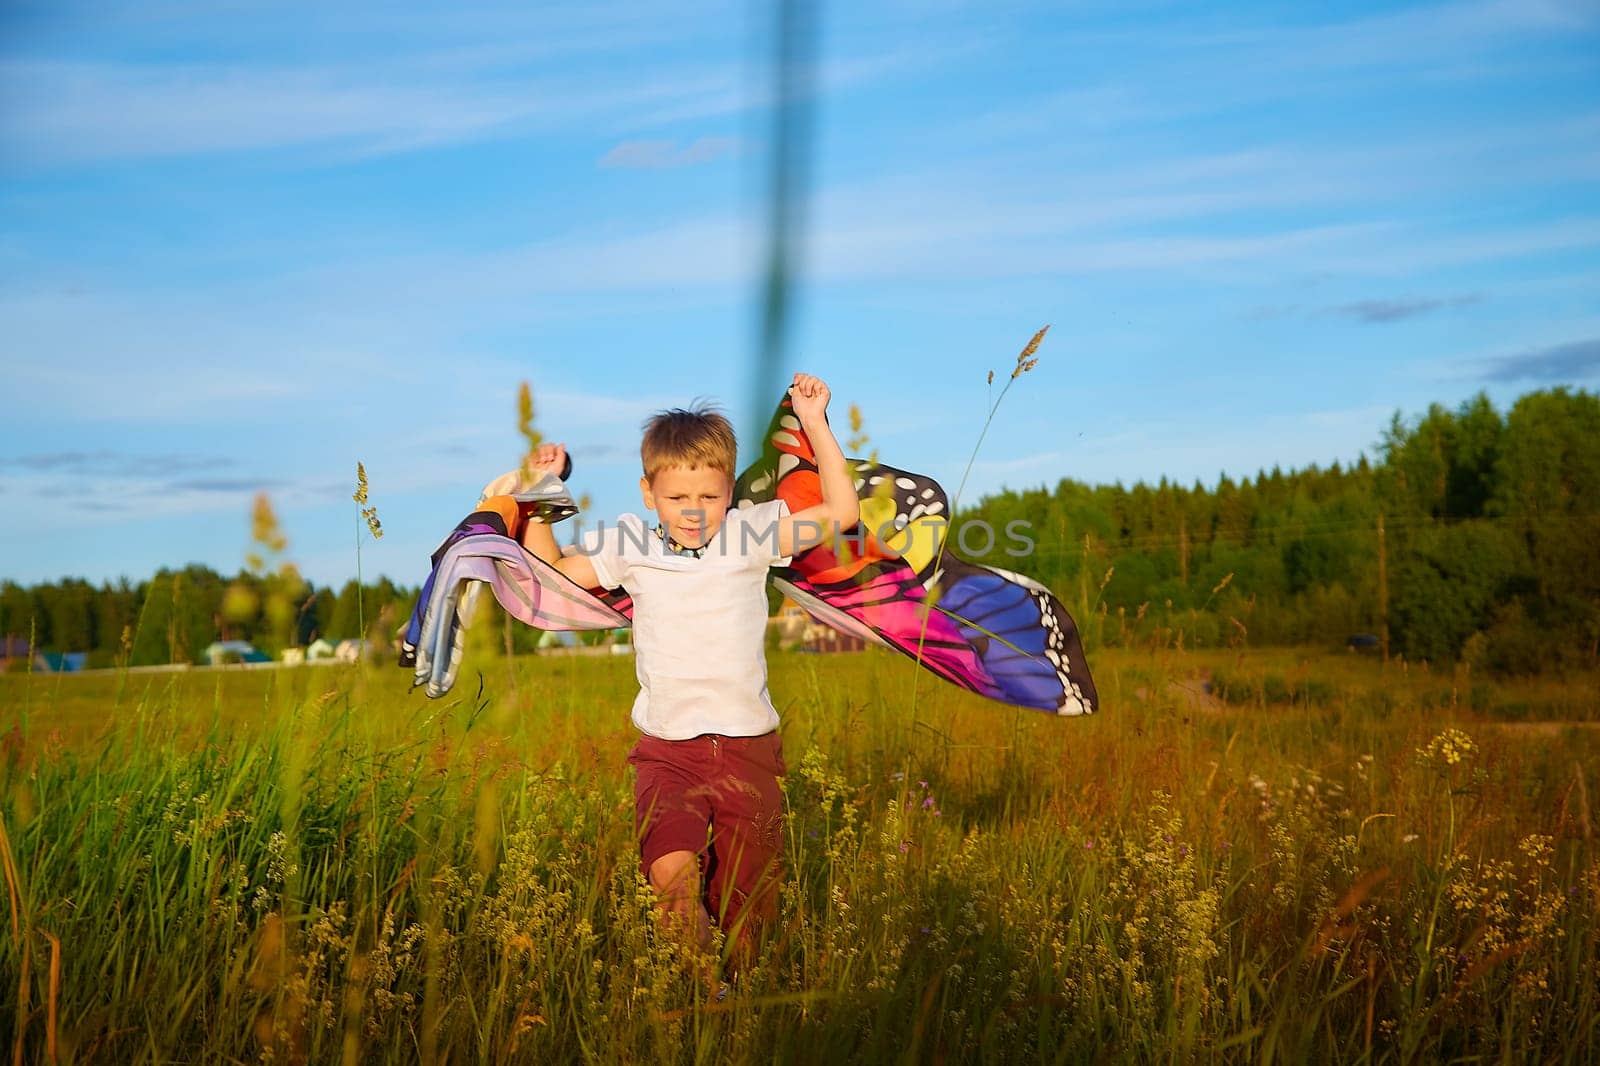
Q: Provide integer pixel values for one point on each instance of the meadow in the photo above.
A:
(1249, 855)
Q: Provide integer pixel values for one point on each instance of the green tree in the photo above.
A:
(19, 611)
(154, 637)
(70, 606)
(345, 623)
(1448, 587)
(116, 608)
(1547, 489)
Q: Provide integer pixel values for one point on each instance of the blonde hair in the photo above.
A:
(700, 436)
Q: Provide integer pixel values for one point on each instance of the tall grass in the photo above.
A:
(312, 866)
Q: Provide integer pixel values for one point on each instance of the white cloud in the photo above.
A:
(79, 112)
(1411, 39)
(65, 112)
(668, 154)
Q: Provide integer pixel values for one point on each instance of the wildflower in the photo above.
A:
(1538, 847)
(1450, 748)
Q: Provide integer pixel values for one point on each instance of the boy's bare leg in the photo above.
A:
(676, 878)
(746, 863)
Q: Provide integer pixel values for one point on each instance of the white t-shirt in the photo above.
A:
(699, 625)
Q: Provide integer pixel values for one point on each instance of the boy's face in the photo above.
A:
(691, 502)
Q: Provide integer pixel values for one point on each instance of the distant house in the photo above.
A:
(15, 654)
(350, 651)
(67, 662)
(825, 638)
(790, 623)
(223, 652)
(797, 629)
(319, 649)
(293, 657)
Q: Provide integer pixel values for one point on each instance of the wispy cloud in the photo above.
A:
(604, 453)
(65, 112)
(1413, 40)
(668, 154)
(1382, 312)
(226, 485)
(80, 112)
(113, 464)
(1035, 463)
(1575, 361)
(108, 475)
(156, 494)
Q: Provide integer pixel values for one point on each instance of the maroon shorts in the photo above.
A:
(719, 798)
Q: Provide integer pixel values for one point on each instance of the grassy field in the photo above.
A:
(1265, 856)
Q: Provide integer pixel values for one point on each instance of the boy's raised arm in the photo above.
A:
(540, 540)
(840, 509)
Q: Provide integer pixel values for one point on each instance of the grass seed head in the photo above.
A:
(1026, 361)
(525, 424)
(369, 513)
(264, 528)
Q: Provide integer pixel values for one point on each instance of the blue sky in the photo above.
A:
(243, 246)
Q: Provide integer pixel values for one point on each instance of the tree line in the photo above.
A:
(1473, 535)
(175, 615)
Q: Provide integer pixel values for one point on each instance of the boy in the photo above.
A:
(709, 758)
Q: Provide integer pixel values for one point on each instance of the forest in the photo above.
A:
(1472, 536)
(173, 616)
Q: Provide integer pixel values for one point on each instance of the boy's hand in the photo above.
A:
(839, 508)
(549, 459)
(809, 396)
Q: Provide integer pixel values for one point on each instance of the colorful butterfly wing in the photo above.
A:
(1025, 638)
(991, 631)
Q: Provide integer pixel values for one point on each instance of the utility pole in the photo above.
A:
(1383, 592)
